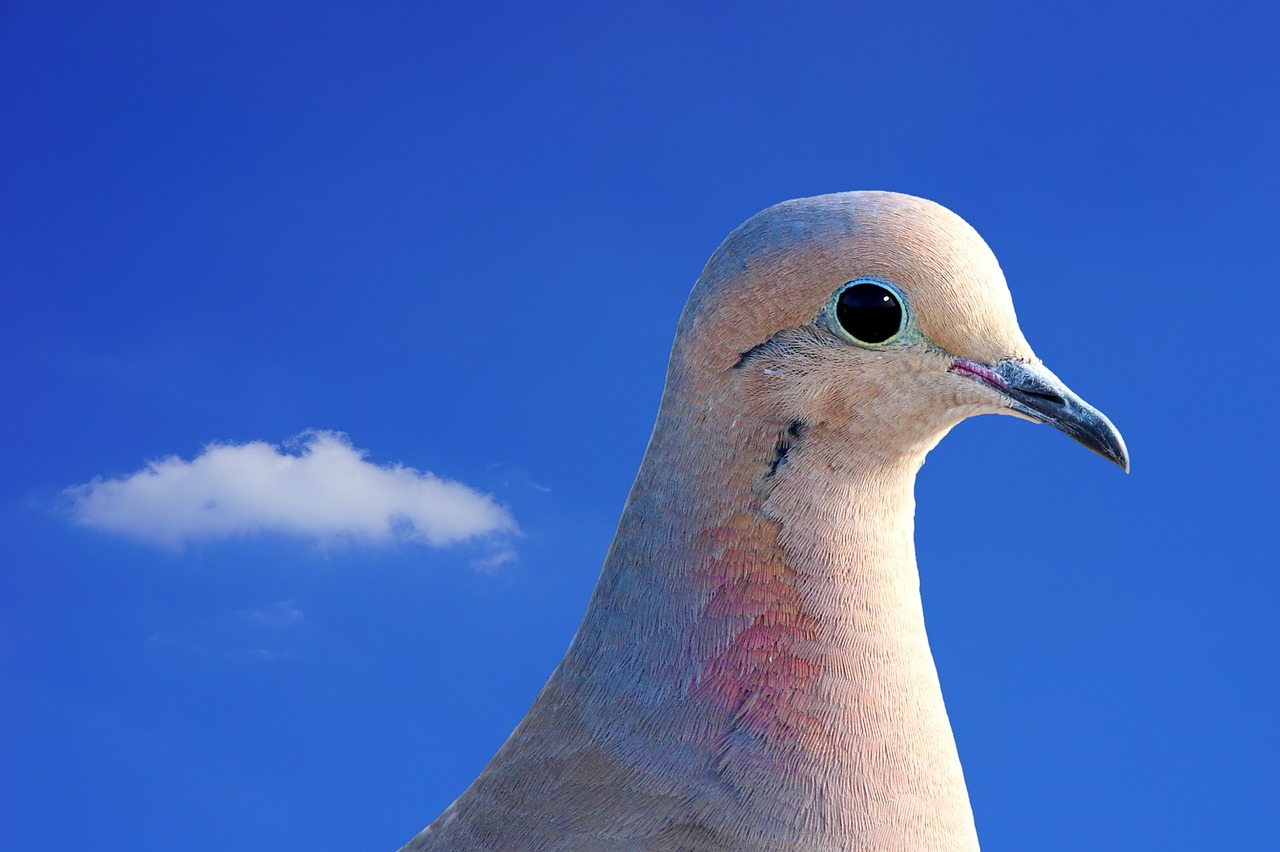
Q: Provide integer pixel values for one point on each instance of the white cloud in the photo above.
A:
(321, 488)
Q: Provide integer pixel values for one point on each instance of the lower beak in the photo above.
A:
(1036, 393)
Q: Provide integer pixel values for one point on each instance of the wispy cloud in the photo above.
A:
(318, 487)
(279, 614)
(494, 560)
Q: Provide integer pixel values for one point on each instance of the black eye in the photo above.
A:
(869, 312)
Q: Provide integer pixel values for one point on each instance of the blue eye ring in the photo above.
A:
(870, 312)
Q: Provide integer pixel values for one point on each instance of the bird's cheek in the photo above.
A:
(964, 398)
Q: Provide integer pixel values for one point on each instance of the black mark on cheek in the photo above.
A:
(746, 357)
(787, 440)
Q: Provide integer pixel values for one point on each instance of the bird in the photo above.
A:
(752, 670)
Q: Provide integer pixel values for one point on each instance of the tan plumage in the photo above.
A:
(753, 670)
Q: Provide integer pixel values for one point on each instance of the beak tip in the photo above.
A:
(1115, 448)
(1039, 394)
(1123, 461)
(1104, 439)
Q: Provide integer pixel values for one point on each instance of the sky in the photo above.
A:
(331, 336)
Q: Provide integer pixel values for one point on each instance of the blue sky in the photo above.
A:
(448, 246)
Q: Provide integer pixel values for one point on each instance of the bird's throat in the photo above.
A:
(808, 672)
(766, 650)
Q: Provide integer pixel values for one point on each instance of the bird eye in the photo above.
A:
(869, 312)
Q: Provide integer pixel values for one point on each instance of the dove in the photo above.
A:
(753, 671)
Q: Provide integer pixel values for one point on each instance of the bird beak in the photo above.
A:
(1037, 394)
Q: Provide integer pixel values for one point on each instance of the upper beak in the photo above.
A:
(1034, 391)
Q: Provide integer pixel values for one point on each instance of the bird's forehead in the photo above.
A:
(781, 267)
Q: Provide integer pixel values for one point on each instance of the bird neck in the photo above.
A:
(760, 611)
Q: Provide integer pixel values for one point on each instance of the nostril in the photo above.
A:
(1047, 396)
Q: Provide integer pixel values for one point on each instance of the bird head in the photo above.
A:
(881, 318)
